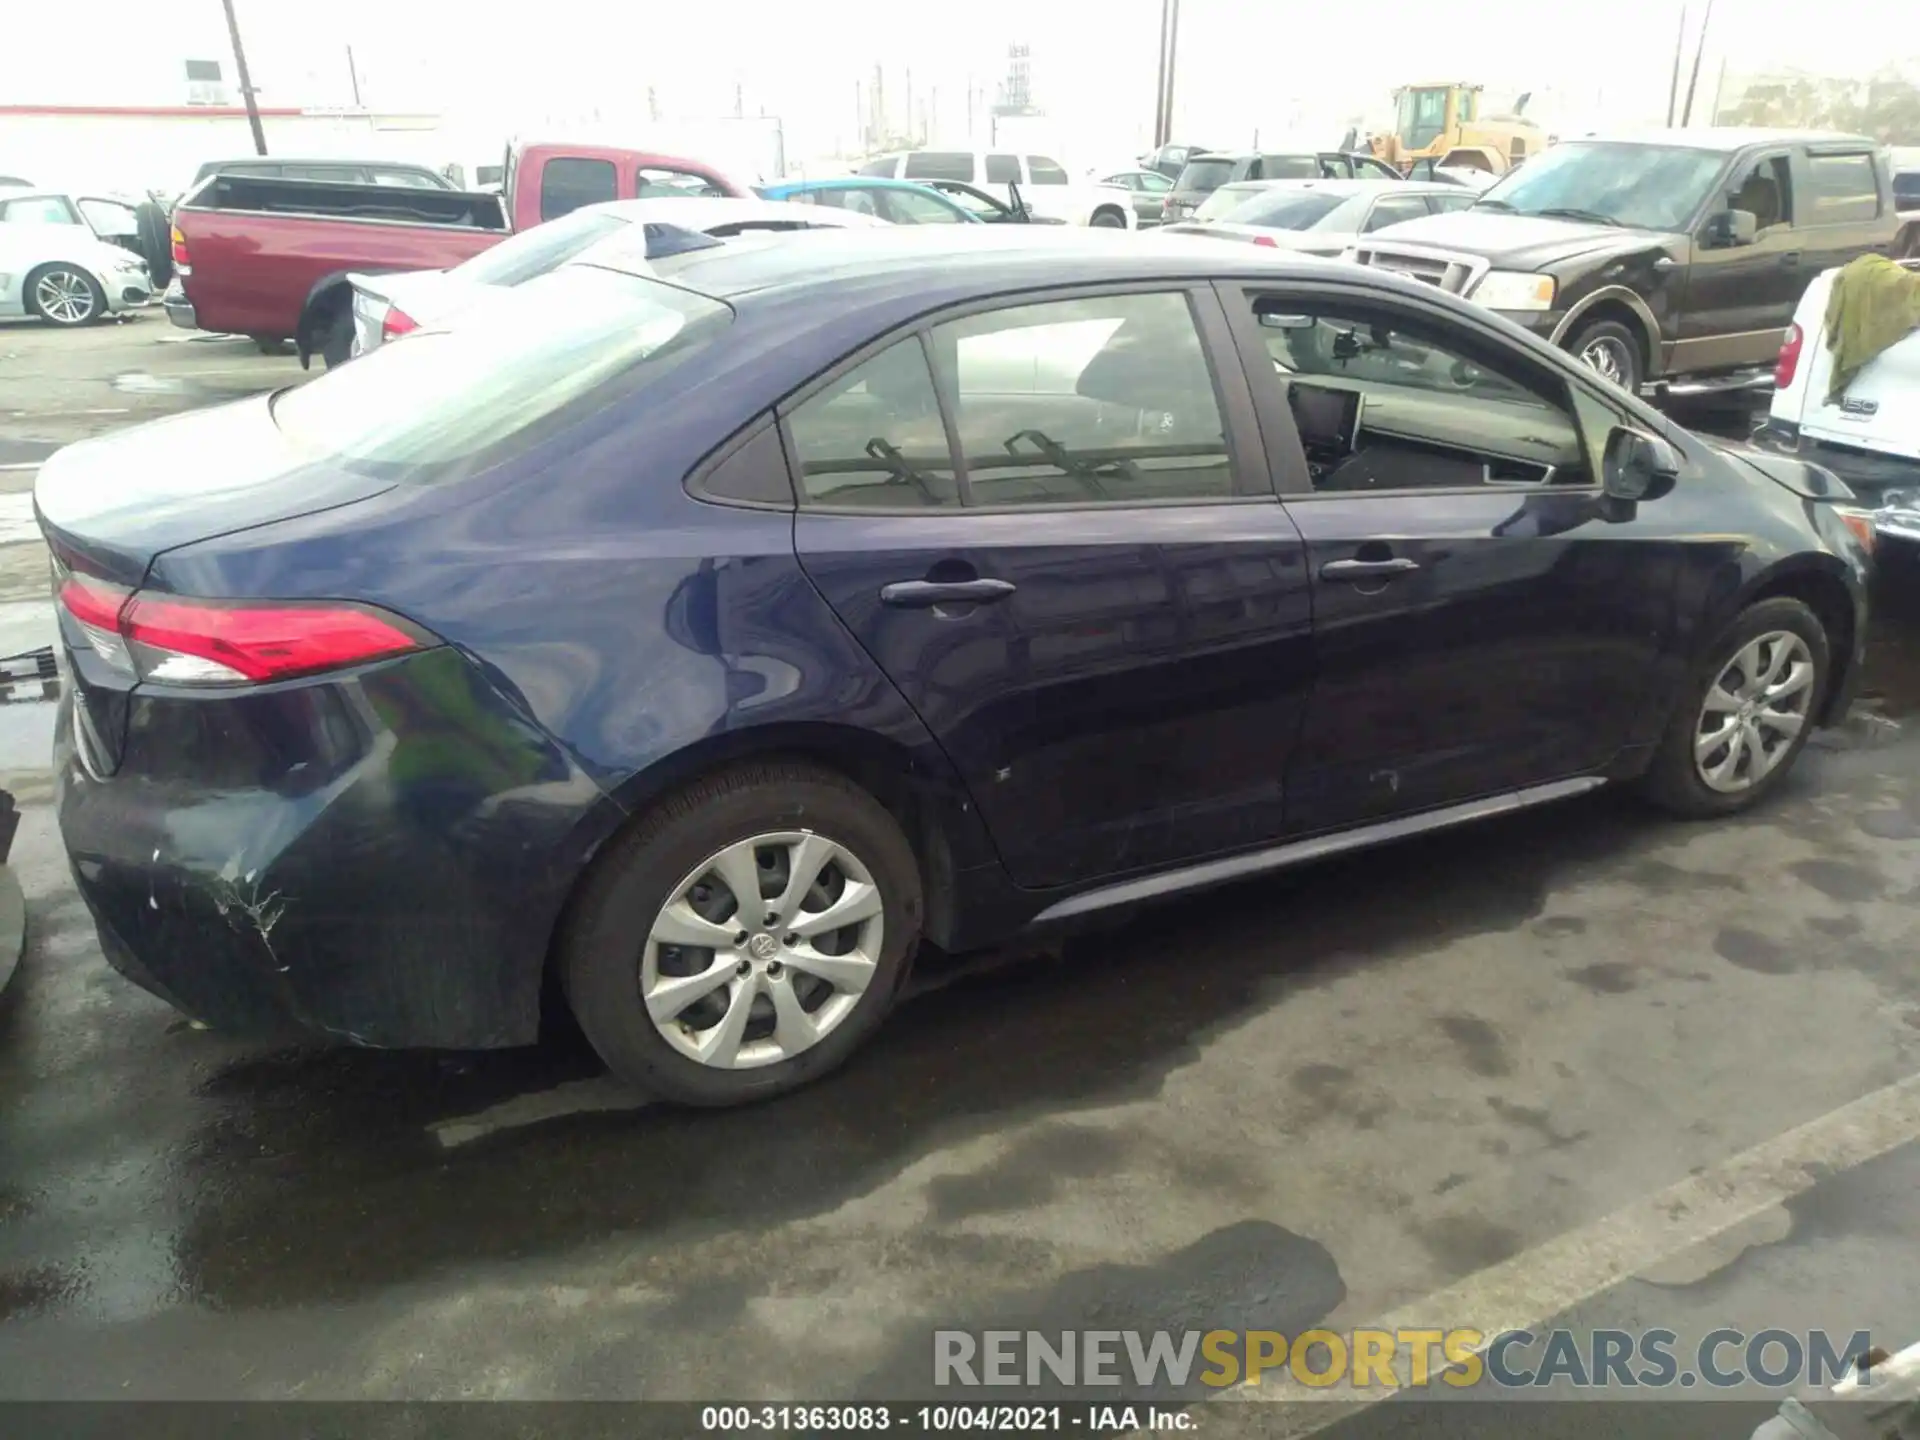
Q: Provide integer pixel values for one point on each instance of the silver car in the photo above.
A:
(53, 265)
(387, 306)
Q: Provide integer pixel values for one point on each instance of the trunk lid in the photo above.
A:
(1880, 410)
(109, 506)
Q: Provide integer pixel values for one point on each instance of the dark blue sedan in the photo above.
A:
(705, 643)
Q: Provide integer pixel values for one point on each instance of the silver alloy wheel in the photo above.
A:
(1755, 707)
(1606, 356)
(762, 950)
(64, 297)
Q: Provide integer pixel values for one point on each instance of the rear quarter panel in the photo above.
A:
(252, 272)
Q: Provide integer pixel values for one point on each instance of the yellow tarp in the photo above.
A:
(1874, 306)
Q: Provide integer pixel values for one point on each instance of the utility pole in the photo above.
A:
(1699, 50)
(1673, 85)
(246, 80)
(353, 75)
(933, 115)
(969, 109)
(909, 116)
(1160, 81)
(1173, 49)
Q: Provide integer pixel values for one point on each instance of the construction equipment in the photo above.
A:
(1443, 124)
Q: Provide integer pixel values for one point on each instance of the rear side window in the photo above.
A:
(874, 439)
(1284, 209)
(1045, 171)
(1841, 188)
(1286, 167)
(939, 165)
(567, 183)
(534, 252)
(1003, 169)
(1394, 209)
(442, 404)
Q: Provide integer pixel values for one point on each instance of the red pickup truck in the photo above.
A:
(268, 257)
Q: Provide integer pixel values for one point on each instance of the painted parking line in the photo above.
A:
(16, 518)
(1526, 1291)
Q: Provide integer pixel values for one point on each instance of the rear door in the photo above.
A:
(1484, 619)
(1052, 526)
(1841, 216)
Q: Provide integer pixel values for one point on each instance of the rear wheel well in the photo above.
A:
(1827, 597)
(884, 771)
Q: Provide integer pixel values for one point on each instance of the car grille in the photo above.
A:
(1456, 274)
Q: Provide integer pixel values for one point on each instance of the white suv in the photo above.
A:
(1044, 183)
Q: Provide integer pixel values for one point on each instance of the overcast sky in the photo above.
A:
(1272, 67)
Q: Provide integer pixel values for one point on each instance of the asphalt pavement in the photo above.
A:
(1581, 1065)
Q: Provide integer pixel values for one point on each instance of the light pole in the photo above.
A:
(246, 80)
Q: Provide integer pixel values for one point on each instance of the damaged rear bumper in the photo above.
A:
(378, 857)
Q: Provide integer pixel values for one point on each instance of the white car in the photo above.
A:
(1045, 187)
(1870, 436)
(386, 306)
(53, 265)
(1315, 217)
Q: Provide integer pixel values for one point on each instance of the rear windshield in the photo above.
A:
(1201, 176)
(1285, 210)
(544, 353)
(536, 251)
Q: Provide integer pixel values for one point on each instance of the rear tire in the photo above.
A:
(1108, 218)
(336, 341)
(1767, 675)
(743, 1019)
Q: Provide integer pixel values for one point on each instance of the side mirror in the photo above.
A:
(1637, 466)
(1731, 228)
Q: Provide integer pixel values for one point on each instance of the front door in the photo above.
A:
(1740, 298)
(1484, 619)
(1066, 552)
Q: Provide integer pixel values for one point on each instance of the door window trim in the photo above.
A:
(1248, 461)
(1292, 479)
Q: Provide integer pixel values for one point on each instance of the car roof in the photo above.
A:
(849, 182)
(697, 211)
(1724, 138)
(1344, 186)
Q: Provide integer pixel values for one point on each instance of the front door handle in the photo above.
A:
(1368, 569)
(924, 594)
(1791, 260)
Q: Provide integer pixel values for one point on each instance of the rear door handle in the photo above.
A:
(923, 594)
(1367, 569)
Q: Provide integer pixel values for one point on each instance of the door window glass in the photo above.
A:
(566, 184)
(874, 439)
(39, 210)
(1390, 402)
(1045, 171)
(1394, 209)
(1843, 188)
(1107, 399)
(910, 207)
(1003, 169)
(1767, 191)
(939, 165)
(110, 217)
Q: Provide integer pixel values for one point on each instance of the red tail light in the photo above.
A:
(397, 323)
(180, 261)
(1266, 240)
(178, 641)
(1789, 362)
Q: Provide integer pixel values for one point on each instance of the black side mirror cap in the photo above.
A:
(1638, 466)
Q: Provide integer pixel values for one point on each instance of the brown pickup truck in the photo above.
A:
(268, 257)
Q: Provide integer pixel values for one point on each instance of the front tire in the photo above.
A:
(1745, 715)
(1108, 219)
(1611, 351)
(745, 937)
(66, 295)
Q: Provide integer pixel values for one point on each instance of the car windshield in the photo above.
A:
(1646, 187)
(1203, 176)
(440, 400)
(1285, 210)
(536, 251)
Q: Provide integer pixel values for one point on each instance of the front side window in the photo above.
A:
(39, 210)
(1107, 399)
(1153, 182)
(1385, 401)
(567, 184)
(1766, 192)
(911, 207)
(939, 165)
(110, 217)
(1843, 189)
(873, 439)
(1394, 209)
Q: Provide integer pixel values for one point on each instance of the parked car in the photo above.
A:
(1315, 217)
(1170, 160)
(385, 306)
(900, 202)
(1672, 260)
(1206, 173)
(1870, 435)
(1149, 190)
(270, 257)
(54, 265)
(1043, 186)
(1906, 180)
(134, 223)
(717, 641)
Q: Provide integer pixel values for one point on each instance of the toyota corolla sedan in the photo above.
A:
(704, 646)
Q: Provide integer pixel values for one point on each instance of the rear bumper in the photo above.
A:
(179, 309)
(1889, 485)
(378, 857)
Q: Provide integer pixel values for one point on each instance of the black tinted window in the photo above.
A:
(1204, 176)
(873, 439)
(939, 165)
(1840, 188)
(1003, 169)
(1287, 167)
(567, 184)
(1045, 171)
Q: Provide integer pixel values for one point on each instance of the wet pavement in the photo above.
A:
(1319, 1098)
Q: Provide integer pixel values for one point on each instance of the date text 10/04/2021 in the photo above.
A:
(936, 1419)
